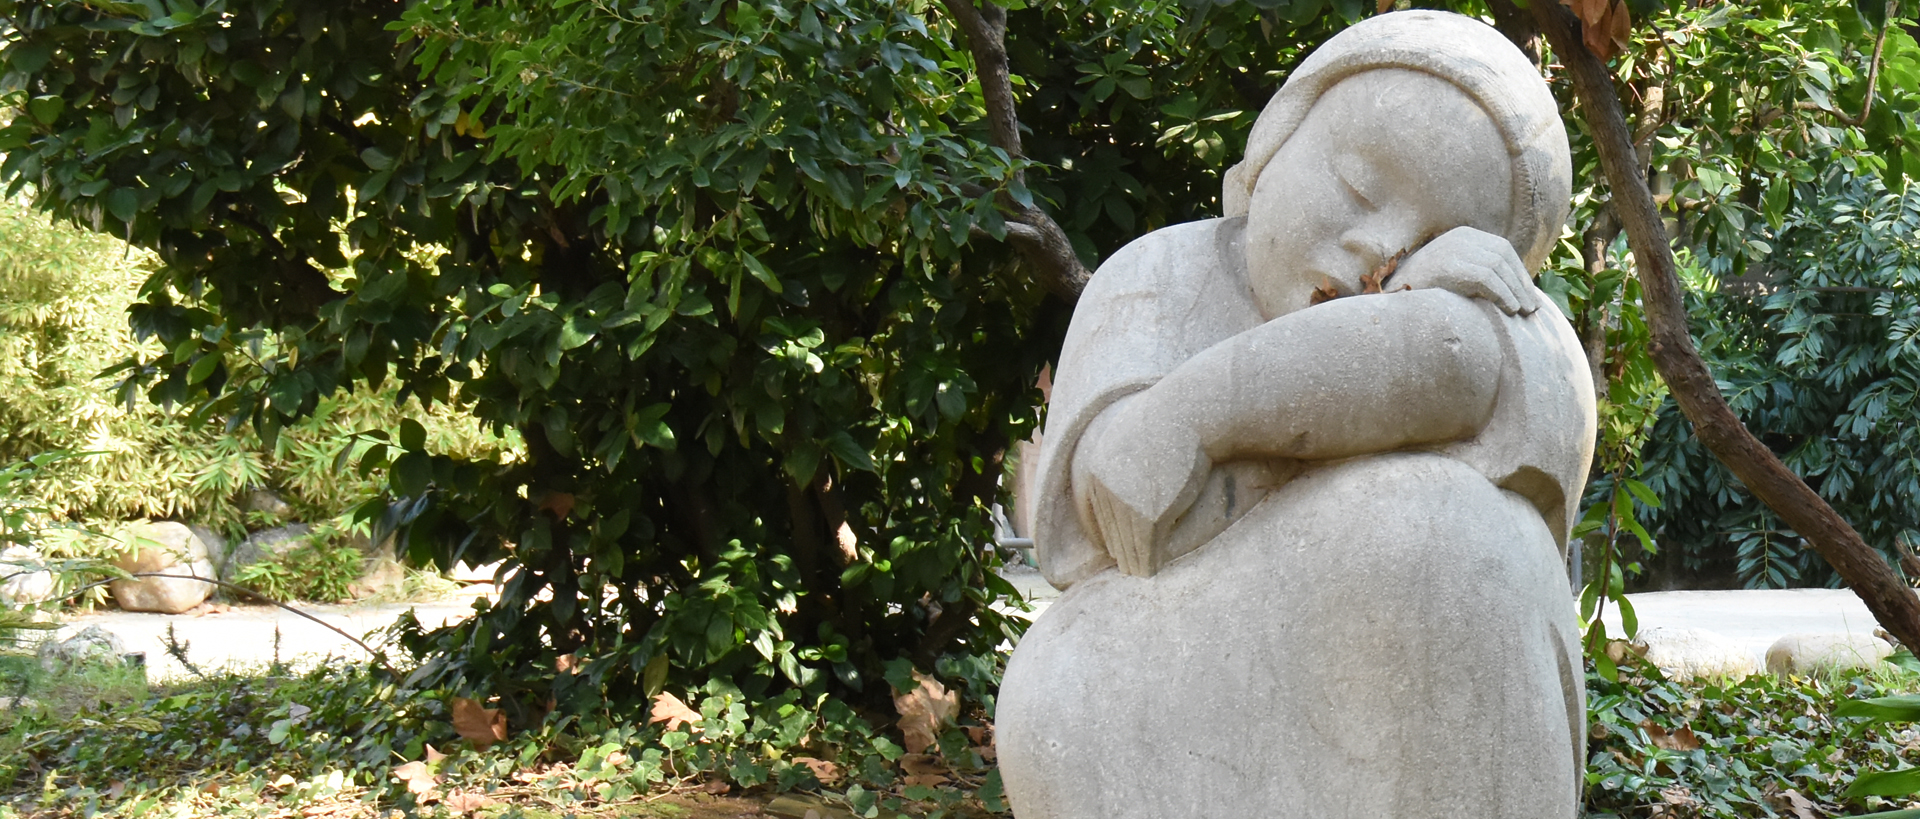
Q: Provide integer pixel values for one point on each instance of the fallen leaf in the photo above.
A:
(418, 778)
(567, 663)
(978, 733)
(986, 752)
(716, 787)
(477, 723)
(434, 755)
(922, 765)
(924, 710)
(827, 772)
(669, 709)
(1681, 740)
(119, 789)
(930, 780)
(466, 802)
(1376, 281)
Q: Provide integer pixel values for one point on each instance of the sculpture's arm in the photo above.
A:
(1349, 377)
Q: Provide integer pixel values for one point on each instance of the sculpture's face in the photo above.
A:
(1385, 159)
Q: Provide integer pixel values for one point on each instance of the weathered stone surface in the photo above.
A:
(92, 644)
(268, 502)
(217, 547)
(21, 581)
(1313, 549)
(163, 547)
(1695, 654)
(263, 545)
(1804, 653)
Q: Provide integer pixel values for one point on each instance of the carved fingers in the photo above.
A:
(1471, 263)
(1138, 473)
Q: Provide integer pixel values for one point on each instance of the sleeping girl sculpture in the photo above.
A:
(1309, 470)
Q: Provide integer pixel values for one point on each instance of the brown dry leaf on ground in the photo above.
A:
(827, 772)
(417, 777)
(669, 709)
(923, 769)
(1681, 740)
(467, 802)
(923, 710)
(477, 723)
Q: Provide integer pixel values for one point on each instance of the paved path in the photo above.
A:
(1752, 619)
(243, 635)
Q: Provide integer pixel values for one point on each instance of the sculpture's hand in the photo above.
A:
(1471, 263)
(1139, 471)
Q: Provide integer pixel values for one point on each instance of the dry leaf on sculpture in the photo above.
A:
(669, 709)
(827, 772)
(418, 778)
(1326, 292)
(1376, 281)
(477, 723)
(466, 802)
(923, 710)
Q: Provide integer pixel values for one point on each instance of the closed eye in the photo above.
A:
(1351, 171)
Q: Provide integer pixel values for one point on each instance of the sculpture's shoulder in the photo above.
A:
(1177, 261)
(1162, 298)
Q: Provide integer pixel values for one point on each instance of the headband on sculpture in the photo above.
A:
(1465, 52)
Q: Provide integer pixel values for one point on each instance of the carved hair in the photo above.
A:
(1470, 55)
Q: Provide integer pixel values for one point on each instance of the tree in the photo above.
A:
(743, 277)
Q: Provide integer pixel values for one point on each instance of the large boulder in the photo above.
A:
(92, 644)
(265, 544)
(163, 547)
(1833, 651)
(216, 547)
(22, 580)
(1695, 654)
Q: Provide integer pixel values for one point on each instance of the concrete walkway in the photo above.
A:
(242, 636)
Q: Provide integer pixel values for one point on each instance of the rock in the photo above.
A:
(217, 546)
(163, 547)
(264, 544)
(382, 576)
(92, 644)
(267, 502)
(1695, 654)
(1834, 651)
(21, 582)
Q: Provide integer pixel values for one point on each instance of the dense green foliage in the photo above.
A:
(731, 270)
(64, 294)
(1820, 349)
(1762, 746)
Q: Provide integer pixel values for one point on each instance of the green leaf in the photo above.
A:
(46, 110)
(1885, 783)
(1900, 708)
(413, 436)
(203, 367)
(410, 474)
(123, 204)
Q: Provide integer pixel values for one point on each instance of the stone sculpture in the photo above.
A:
(1309, 469)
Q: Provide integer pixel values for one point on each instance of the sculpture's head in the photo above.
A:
(1396, 130)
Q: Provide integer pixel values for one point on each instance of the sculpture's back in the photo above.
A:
(1314, 554)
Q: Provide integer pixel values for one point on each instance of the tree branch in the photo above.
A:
(1038, 237)
(1694, 389)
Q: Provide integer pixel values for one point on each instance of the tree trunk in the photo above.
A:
(1693, 387)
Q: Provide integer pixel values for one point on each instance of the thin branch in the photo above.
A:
(1693, 387)
(1038, 237)
(1873, 71)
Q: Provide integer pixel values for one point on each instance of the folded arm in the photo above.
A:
(1349, 377)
